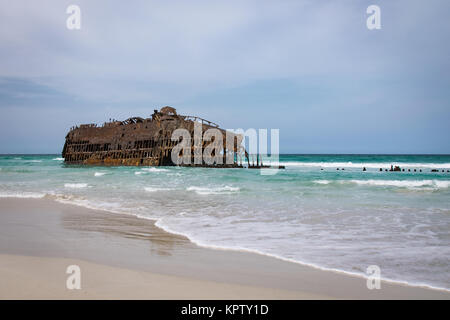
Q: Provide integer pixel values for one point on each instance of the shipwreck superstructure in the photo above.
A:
(145, 142)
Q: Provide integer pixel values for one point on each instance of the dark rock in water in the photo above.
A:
(385, 170)
(443, 170)
(434, 170)
(403, 169)
(342, 169)
(414, 170)
(409, 170)
(321, 169)
(381, 169)
(364, 169)
(337, 168)
(397, 168)
(420, 170)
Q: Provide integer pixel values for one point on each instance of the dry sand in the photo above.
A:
(124, 257)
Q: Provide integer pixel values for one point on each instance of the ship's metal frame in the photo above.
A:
(142, 141)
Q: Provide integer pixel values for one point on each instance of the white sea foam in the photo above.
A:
(442, 183)
(31, 195)
(431, 184)
(75, 185)
(402, 183)
(117, 208)
(153, 189)
(58, 159)
(249, 223)
(322, 181)
(99, 174)
(160, 224)
(360, 165)
(213, 190)
(83, 202)
(153, 169)
(34, 161)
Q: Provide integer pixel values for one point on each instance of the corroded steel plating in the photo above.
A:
(139, 142)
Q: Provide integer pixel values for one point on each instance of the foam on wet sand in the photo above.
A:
(125, 257)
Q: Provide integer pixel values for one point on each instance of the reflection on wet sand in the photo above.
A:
(127, 226)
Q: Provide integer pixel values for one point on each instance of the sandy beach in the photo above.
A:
(125, 257)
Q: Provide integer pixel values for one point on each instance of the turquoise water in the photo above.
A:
(333, 219)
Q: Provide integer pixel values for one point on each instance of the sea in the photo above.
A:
(308, 213)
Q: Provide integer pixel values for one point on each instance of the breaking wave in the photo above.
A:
(433, 184)
(99, 174)
(216, 190)
(272, 215)
(24, 195)
(403, 183)
(360, 165)
(153, 169)
(153, 189)
(75, 185)
(322, 181)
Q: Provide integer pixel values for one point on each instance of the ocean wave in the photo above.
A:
(99, 174)
(153, 189)
(153, 169)
(24, 195)
(360, 165)
(75, 185)
(89, 204)
(322, 181)
(216, 190)
(160, 224)
(402, 183)
(58, 159)
(441, 183)
(430, 184)
(148, 170)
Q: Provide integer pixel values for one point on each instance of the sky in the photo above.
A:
(310, 68)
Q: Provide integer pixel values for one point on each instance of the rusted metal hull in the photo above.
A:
(137, 141)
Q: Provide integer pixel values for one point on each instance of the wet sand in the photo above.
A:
(124, 257)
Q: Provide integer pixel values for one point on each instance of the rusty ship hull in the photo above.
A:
(138, 141)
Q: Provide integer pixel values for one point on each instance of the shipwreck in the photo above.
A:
(148, 142)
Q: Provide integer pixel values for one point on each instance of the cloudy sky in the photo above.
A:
(308, 67)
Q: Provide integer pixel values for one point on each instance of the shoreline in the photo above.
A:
(250, 251)
(176, 256)
(305, 264)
